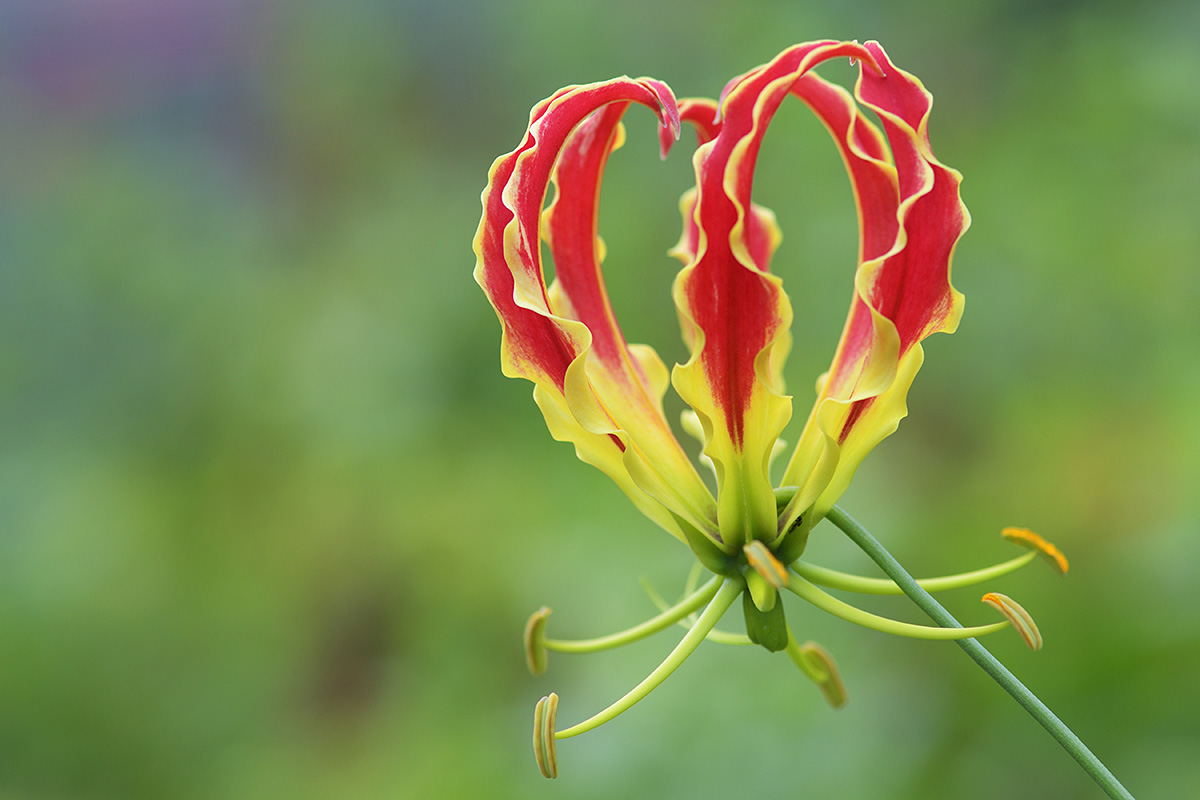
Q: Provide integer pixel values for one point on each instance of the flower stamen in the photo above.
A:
(827, 602)
(729, 590)
(535, 643)
(544, 714)
(818, 666)
(715, 635)
(765, 564)
(1027, 538)
(834, 579)
(763, 581)
(1018, 616)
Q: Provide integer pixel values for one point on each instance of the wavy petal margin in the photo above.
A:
(910, 219)
(734, 312)
(765, 236)
(594, 389)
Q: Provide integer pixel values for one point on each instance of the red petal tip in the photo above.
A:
(875, 58)
(665, 141)
(670, 126)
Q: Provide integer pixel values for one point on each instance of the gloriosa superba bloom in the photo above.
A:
(604, 395)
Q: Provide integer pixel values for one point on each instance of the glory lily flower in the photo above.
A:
(604, 395)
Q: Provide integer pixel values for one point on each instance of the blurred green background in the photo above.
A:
(271, 520)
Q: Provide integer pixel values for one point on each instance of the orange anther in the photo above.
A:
(1019, 617)
(824, 673)
(1028, 538)
(764, 562)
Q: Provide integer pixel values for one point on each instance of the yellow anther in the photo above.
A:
(1027, 538)
(1018, 616)
(535, 638)
(764, 562)
(544, 752)
(815, 662)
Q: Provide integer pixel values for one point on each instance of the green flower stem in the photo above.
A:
(999, 673)
(827, 602)
(730, 589)
(651, 626)
(834, 579)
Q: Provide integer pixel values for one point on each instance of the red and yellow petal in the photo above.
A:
(764, 232)
(594, 389)
(605, 395)
(910, 219)
(734, 312)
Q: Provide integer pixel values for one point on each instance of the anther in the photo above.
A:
(1019, 617)
(1027, 538)
(535, 641)
(765, 564)
(544, 752)
(818, 665)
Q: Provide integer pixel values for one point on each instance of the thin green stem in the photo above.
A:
(729, 591)
(727, 637)
(811, 671)
(834, 579)
(715, 635)
(651, 626)
(693, 577)
(827, 602)
(999, 673)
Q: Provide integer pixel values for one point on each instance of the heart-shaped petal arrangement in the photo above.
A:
(604, 395)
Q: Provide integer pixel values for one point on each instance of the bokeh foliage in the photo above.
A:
(271, 520)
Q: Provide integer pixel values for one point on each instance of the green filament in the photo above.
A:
(998, 672)
(648, 628)
(834, 579)
(723, 599)
(827, 602)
